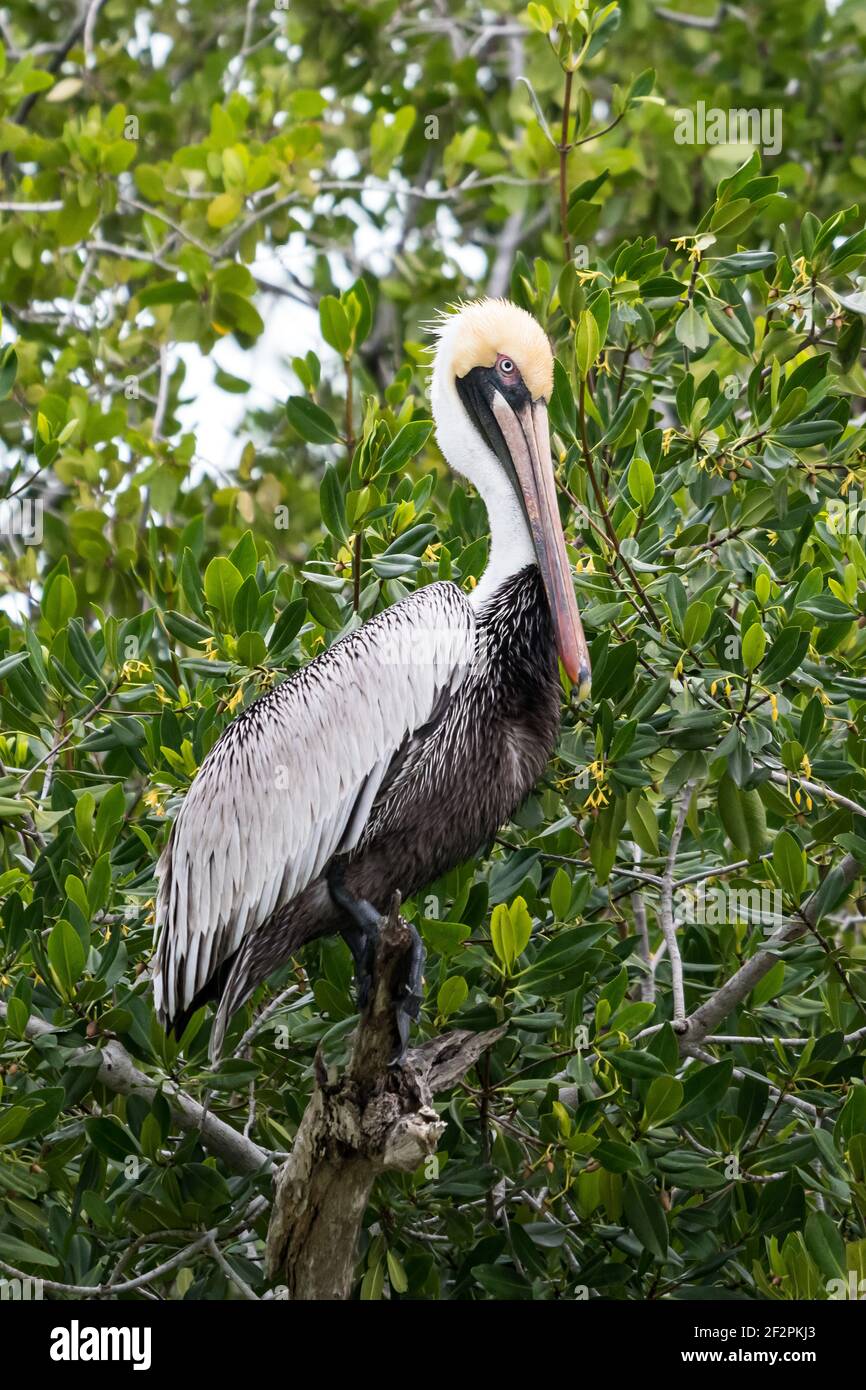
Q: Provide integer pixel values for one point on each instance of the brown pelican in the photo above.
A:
(398, 753)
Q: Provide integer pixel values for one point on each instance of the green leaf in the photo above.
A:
(641, 483)
(825, 1245)
(741, 263)
(84, 808)
(691, 330)
(502, 936)
(221, 583)
(452, 996)
(663, 1100)
(600, 309)
(396, 1274)
(405, 445)
(20, 1252)
(310, 421)
(287, 626)
(251, 649)
(111, 1138)
(335, 325)
(245, 605)
(521, 925)
(771, 985)
(109, 817)
(223, 209)
(587, 343)
(560, 895)
(332, 505)
(59, 601)
(9, 663)
(190, 578)
(754, 646)
(66, 954)
(12, 1120)
(616, 1157)
(642, 822)
(244, 556)
(17, 1016)
(789, 861)
(805, 433)
(501, 1282)
(697, 620)
(645, 1216)
(703, 1090)
(8, 370)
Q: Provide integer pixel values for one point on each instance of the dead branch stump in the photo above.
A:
(373, 1118)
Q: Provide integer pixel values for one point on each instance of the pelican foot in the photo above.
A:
(360, 933)
(408, 1005)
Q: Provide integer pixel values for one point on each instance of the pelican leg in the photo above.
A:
(409, 1005)
(360, 932)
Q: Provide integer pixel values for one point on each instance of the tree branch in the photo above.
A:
(373, 1118)
(119, 1074)
(666, 909)
(693, 21)
(706, 1019)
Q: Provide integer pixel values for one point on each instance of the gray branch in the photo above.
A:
(373, 1118)
(709, 1015)
(666, 909)
(693, 21)
(118, 1073)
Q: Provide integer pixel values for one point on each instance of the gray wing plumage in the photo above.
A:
(291, 782)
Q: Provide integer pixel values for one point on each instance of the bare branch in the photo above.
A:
(127, 1286)
(709, 1015)
(119, 1074)
(693, 21)
(89, 30)
(783, 779)
(162, 394)
(742, 1072)
(52, 206)
(666, 910)
(233, 1277)
(79, 290)
(261, 1019)
(638, 907)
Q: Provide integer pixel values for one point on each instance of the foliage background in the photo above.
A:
(172, 176)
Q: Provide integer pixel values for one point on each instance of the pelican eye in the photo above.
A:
(507, 373)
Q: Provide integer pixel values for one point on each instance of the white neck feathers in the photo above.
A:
(511, 548)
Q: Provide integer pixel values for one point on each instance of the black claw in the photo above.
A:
(360, 934)
(409, 1005)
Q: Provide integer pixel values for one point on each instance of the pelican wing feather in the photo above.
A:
(291, 781)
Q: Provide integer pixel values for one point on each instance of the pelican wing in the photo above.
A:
(291, 782)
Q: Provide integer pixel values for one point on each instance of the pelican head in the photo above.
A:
(492, 379)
